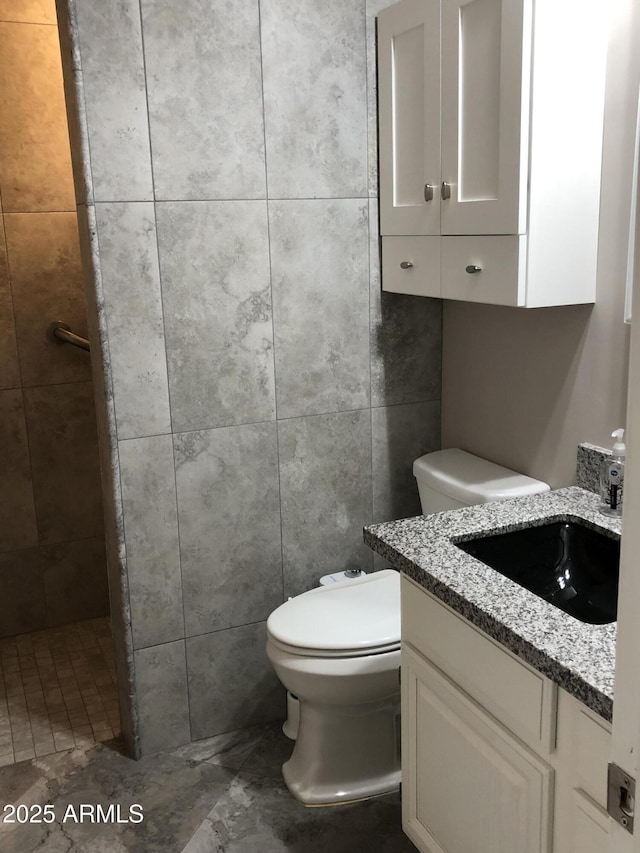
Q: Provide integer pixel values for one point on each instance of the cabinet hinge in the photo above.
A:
(621, 796)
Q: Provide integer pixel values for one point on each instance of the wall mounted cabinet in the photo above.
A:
(491, 118)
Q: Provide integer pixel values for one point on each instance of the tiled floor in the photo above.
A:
(221, 795)
(57, 690)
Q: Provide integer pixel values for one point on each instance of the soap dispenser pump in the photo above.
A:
(612, 477)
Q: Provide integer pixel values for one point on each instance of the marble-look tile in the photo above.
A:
(214, 262)
(406, 339)
(325, 481)
(151, 529)
(175, 797)
(133, 302)
(231, 681)
(400, 434)
(205, 98)
(75, 581)
(163, 704)
(373, 7)
(109, 36)
(17, 511)
(35, 168)
(316, 128)
(61, 424)
(28, 11)
(22, 606)
(231, 749)
(229, 529)
(270, 753)
(320, 272)
(47, 285)
(257, 813)
(9, 366)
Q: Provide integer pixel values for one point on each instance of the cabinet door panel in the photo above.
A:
(409, 117)
(486, 58)
(422, 278)
(590, 826)
(468, 786)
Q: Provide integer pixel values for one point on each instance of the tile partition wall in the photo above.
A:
(263, 399)
(52, 561)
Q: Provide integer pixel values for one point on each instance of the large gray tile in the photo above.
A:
(75, 581)
(315, 98)
(319, 255)
(259, 814)
(214, 260)
(22, 606)
(231, 681)
(47, 285)
(9, 366)
(230, 749)
(161, 689)
(151, 529)
(229, 526)
(325, 477)
(110, 40)
(17, 511)
(133, 302)
(61, 423)
(28, 11)
(205, 98)
(35, 167)
(400, 434)
(406, 340)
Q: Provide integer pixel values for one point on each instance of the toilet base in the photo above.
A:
(345, 754)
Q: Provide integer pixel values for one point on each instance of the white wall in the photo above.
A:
(524, 387)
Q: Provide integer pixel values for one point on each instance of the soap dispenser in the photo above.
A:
(612, 477)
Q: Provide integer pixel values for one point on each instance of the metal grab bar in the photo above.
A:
(62, 334)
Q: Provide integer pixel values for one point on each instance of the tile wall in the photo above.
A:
(52, 561)
(264, 399)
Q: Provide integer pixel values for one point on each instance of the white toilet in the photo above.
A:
(337, 648)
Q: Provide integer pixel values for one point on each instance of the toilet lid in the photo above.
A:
(359, 615)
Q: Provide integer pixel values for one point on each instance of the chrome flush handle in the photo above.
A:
(472, 268)
(445, 190)
(406, 265)
(428, 192)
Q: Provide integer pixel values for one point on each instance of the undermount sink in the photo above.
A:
(565, 563)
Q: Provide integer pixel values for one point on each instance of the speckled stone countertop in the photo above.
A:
(578, 657)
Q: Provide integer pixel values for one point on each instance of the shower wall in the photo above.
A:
(52, 563)
(264, 400)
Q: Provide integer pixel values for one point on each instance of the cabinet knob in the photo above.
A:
(445, 190)
(472, 268)
(406, 265)
(429, 189)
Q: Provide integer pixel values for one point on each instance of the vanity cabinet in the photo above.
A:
(495, 757)
(490, 132)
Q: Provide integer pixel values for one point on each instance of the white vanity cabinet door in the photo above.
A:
(468, 785)
(486, 70)
(409, 117)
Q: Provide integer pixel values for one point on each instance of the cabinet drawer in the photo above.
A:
(518, 696)
(422, 278)
(502, 269)
(592, 749)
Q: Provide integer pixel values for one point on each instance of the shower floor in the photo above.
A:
(57, 690)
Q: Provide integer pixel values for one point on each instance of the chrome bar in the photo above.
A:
(62, 334)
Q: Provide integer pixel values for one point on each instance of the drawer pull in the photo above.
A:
(472, 268)
(428, 192)
(406, 265)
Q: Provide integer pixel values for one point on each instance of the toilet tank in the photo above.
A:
(449, 479)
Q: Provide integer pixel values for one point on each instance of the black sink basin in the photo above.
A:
(566, 563)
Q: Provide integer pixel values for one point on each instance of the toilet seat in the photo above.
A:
(352, 618)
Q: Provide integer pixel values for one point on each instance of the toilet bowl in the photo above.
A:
(337, 649)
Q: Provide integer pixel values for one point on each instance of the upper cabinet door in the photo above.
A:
(409, 116)
(486, 67)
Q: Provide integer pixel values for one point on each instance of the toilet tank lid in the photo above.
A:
(472, 480)
(358, 614)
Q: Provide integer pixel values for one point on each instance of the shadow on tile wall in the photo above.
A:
(51, 530)
(265, 399)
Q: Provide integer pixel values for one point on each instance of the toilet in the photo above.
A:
(337, 649)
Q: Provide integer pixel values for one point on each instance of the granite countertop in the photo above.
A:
(577, 656)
